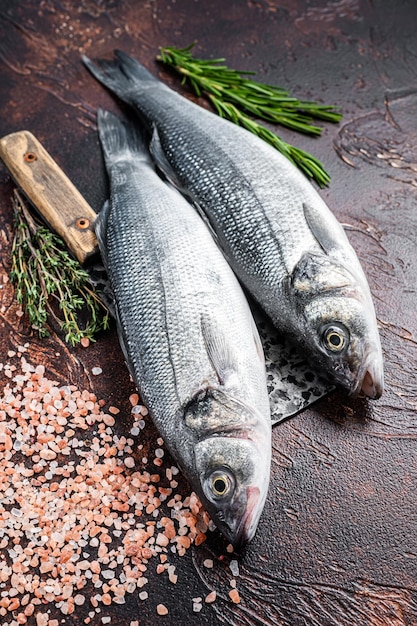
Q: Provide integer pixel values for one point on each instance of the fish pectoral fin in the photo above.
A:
(219, 351)
(321, 227)
(258, 342)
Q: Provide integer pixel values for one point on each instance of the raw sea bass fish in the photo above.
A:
(188, 335)
(283, 242)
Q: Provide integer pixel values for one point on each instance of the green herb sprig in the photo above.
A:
(234, 96)
(43, 272)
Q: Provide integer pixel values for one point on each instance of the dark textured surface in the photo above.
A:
(337, 543)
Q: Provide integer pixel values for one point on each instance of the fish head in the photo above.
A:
(336, 324)
(232, 463)
(234, 481)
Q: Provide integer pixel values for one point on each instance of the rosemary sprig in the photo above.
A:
(233, 95)
(43, 272)
(308, 163)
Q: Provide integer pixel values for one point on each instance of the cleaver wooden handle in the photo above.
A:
(50, 191)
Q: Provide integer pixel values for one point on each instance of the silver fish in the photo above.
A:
(187, 333)
(279, 236)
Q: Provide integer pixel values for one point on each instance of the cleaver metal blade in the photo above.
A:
(292, 384)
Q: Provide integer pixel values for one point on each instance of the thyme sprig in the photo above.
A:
(43, 272)
(234, 96)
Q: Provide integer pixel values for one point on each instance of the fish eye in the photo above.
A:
(335, 338)
(220, 483)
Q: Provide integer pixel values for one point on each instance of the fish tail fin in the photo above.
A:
(123, 75)
(120, 139)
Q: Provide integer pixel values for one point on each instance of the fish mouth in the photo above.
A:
(249, 522)
(371, 379)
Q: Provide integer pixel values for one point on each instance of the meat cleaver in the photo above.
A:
(292, 384)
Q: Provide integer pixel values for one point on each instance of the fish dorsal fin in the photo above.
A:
(100, 228)
(99, 275)
(322, 225)
(159, 156)
(219, 351)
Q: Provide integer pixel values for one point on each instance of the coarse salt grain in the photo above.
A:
(79, 599)
(211, 597)
(108, 420)
(134, 399)
(84, 504)
(161, 609)
(234, 596)
(96, 371)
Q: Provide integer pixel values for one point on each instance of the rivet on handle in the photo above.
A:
(82, 223)
(29, 157)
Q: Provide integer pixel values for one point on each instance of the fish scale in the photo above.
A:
(279, 236)
(194, 145)
(211, 176)
(152, 275)
(187, 333)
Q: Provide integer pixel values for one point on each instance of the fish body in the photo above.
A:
(279, 236)
(187, 333)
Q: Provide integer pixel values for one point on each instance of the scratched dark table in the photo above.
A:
(337, 543)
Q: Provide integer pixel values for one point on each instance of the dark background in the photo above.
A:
(337, 543)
